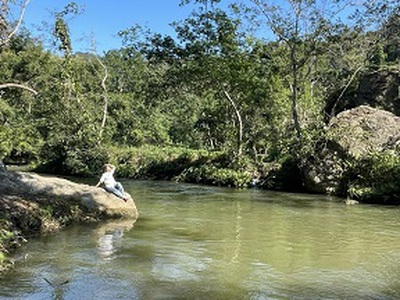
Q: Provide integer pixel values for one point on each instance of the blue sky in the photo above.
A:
(103, 19)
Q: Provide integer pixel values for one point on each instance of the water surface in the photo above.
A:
(199, 242)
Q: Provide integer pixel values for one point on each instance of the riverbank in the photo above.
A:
(31, 204)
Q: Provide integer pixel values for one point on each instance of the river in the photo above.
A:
(201, 242)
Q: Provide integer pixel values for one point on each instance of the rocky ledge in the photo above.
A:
(30, 203)
(46, 191)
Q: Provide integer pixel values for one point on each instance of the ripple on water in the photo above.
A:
(196, 242)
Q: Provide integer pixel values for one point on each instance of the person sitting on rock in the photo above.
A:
(110, 184)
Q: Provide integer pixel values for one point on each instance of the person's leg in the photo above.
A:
(115, 191)
(119, 187)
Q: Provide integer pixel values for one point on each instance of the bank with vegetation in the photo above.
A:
(251, 94)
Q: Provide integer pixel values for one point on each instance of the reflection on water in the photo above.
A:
(110, 237)
(198, 242)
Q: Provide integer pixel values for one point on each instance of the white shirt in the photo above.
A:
(108, 179)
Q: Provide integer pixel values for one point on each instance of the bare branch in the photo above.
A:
(103, 85)
(344, 90)
(239, 117)
(17, 85)
(105, 94)
(21, 16)
(274, 28)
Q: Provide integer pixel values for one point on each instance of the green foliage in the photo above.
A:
(81, 160)
(19, 144)
(168, 115)
(378, 56)
(210, 174)
(47, 212)
(155, 162)
(374, 177)
(391, 32)
(6, 237)
(61, 30)
(180, 164)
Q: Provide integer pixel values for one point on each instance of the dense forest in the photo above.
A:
(238, 96)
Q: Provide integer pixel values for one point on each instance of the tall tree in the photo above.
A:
(301, 26)
(7, 31)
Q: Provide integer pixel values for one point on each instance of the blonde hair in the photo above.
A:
(108, 167)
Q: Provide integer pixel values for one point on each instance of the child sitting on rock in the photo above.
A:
(110, 184)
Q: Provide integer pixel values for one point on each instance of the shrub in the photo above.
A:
(375, 177)
(181, 164)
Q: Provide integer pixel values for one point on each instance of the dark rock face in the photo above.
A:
(323, 172)
(352, 134)
(94, 200)
(380, 89)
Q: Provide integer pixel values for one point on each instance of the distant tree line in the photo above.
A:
(216, 87)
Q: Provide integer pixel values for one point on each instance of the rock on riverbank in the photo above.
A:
(30, 203)
(353, 135)
(48, 190)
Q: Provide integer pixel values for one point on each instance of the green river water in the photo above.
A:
(200, 242)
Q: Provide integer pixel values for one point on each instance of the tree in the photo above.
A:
(206, 3)
(300, 25)
(7, 32)
(21, 61)
(392, 38)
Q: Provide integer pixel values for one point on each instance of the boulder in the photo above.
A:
(352, 134)
(96, 201)
(364, 130)
(323, 171)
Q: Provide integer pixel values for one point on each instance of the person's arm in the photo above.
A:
(100, 181)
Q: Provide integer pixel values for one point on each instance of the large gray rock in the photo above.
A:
(352, 134)
(323, 172)
(42, 188)
(364, 130)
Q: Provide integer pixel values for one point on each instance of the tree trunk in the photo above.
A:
(105, 94)
(239, 118)
(294, 87)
